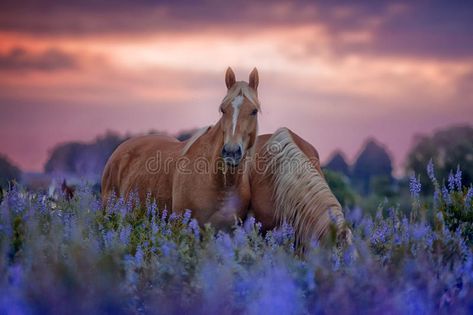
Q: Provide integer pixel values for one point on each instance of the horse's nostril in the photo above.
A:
(232, 152)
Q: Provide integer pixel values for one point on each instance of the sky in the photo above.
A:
(335, 72)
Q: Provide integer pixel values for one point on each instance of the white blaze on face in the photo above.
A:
(236, 103)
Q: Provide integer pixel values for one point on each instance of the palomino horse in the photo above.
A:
(288, 185)
(224, 172)
(205, 174)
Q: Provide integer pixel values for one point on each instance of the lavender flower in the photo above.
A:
(139, 256)
(186, 217)
(249, 224)
(436, 198)
(458, 178)
(125, 235)
(172, 217)
(194, 227)
(451, 182)
(414, 186)
(154, 227)
(446, 196)
(108, 238)
(151, 209)
(164, 215)
(431, 172)
(468, 197)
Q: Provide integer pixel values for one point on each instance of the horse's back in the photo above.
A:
(142, 164)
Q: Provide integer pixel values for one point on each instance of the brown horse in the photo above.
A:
(288, 185)
(224, 172)
(207, 174)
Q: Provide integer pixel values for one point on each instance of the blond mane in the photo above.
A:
(302, 196)
(199, 133)
(242, 88)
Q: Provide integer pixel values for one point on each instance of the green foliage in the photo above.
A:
(340, 186)
(447, 148)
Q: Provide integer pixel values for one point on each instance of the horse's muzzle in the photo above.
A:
(232, 154)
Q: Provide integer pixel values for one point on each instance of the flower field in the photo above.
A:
(71, 257)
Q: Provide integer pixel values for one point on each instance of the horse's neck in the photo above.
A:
(220, 173)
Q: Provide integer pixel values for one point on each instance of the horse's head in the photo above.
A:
(239, 120)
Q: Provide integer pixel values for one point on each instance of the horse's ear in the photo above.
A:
(229, 78)
(254, 79)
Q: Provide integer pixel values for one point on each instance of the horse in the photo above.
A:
(225, 172)
(288, 186)
(207, 174)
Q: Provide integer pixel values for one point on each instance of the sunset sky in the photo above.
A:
(335, 74)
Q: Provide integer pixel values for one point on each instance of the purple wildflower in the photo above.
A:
(154, 227)
(458, 178)
(451, 182)
(405, 228)
(249, 224)
(186, 217)
(108, 238)
(431, 172)
(173, 217)
(436, 198)
(123, 209)
(468, 197)
(164, 215)
(166, 248)
(446, 196)
(380, 234)
(419, 231)
(125, 234)
(139, 256)
(151, 209)
(355, 215)
(194, 227)
(414, 186)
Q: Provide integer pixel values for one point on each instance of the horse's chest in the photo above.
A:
(231, 200)
(211, 197)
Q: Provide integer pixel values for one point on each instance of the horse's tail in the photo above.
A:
(302, 197)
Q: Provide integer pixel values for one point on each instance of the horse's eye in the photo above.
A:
(254, 112)
(222, 111)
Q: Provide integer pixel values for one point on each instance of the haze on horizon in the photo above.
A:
(335, 74)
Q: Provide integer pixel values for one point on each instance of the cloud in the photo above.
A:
(334, 73)
(434, 29)
(19, 59)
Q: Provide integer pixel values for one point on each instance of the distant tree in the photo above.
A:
(339, 184)
(8, 172)
(448, 148)
(63, 158)
(83, 159)
(338, 164)
(373, 161)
